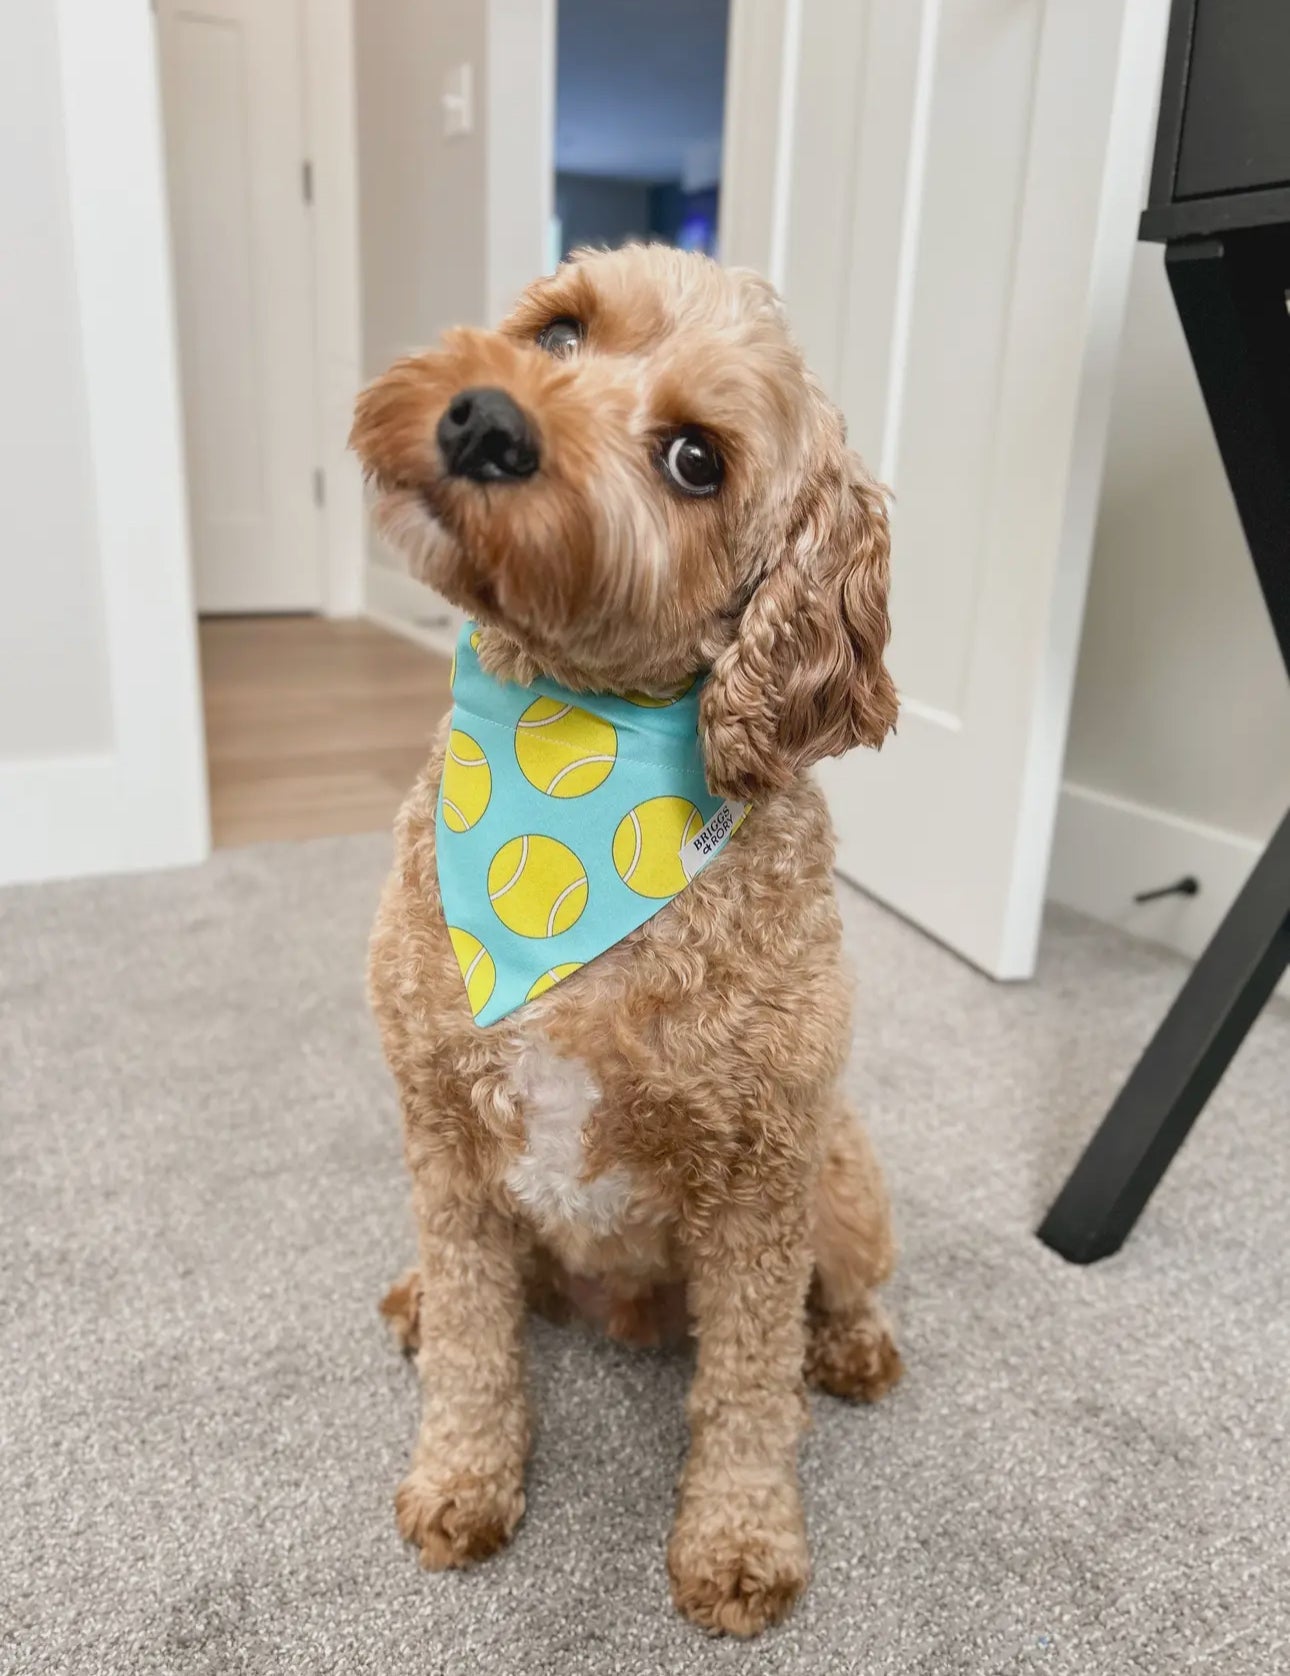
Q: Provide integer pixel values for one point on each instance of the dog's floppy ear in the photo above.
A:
(804, 677)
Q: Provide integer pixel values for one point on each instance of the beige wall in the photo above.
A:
(53, 655)
(1181, 701)
(421, 197)
(450, 228)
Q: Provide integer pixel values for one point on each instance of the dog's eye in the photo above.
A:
(560, 338)
(692, 463)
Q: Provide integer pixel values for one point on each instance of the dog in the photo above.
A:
(634, 486)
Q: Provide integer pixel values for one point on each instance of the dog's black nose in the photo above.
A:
(484, 436)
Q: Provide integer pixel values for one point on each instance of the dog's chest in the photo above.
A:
(558, 1097)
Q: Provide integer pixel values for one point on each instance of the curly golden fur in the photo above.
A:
(693, 1067)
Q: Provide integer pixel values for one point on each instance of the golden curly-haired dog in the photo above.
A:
(658, 488)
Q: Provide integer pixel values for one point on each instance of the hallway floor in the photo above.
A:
(314, 726)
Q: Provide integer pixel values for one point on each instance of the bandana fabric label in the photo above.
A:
(565, 820)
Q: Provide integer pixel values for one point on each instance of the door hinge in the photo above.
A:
(307, 181)
(320, 486)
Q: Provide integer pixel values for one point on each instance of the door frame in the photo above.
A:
(331, 145)
(141, 802)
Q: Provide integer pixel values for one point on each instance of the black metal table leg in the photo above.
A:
(1231, 297)
(1231, 294)
(1157, 1106)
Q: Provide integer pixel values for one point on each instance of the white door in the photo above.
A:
(950, 205)
(232, 80)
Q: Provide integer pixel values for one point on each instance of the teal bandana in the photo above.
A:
(565, 820)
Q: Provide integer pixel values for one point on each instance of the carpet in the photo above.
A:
(202, 1421)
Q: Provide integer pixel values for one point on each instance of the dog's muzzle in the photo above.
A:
(485, 437)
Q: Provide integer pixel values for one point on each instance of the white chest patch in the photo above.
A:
(548, 1178)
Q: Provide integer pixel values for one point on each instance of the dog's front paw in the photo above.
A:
(737, 1576)
(457, 1518)
(853, 1356)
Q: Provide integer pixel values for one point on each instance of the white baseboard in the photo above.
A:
(74, 817)
(407, 607)
(1107, 848)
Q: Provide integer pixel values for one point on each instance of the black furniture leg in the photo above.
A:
(1123, 1163)
(1231, 295)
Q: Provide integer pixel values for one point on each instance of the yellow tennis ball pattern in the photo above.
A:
(564, 751)
(467, 783)
(648, 844)
(476, 967)
(537, 886)
(548, 980)
(474, 646)
(652, 701)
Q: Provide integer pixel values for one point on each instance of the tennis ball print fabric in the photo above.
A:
(467, 783)
(565, 820)
(564, 750)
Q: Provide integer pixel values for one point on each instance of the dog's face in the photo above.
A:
(636, 479)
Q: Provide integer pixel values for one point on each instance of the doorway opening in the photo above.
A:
(316, 722)
(640, 94)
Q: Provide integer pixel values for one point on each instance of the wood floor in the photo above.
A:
(313, 726)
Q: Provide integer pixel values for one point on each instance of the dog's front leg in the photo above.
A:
(737, 1556)
(464, 1494)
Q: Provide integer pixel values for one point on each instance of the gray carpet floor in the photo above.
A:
(202, 1421)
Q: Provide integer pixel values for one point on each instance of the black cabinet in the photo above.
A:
(1223, 142)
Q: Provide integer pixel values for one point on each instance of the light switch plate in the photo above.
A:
(458, 102)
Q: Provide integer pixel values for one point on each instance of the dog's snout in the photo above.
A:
(483, 435)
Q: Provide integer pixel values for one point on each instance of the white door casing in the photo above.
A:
(949, 205)
(140, 801)
(232, 75)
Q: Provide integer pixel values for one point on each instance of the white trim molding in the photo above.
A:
(519, 149)
(755, 153)
(1109, 848)
(331, 128)
(142, 802)
(400, 603)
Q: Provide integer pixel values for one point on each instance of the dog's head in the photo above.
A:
(634, 480)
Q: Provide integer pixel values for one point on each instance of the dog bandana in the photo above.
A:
(565, 820)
